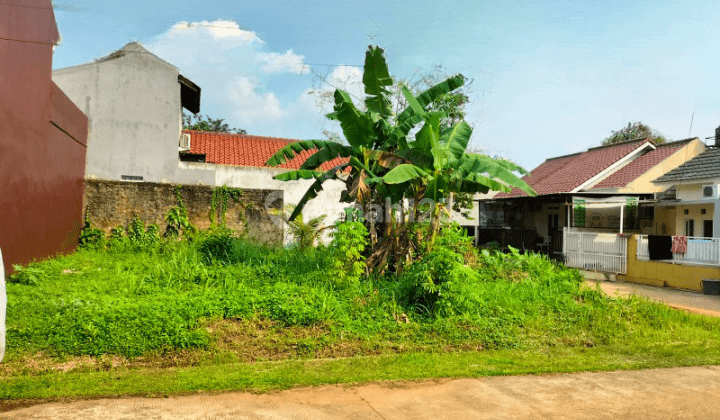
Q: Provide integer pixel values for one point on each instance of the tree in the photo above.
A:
(205, 123)
(386, 163)
(634, 131)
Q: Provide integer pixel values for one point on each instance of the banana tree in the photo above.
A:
(385, 161)
(371, 129)
(442, 167)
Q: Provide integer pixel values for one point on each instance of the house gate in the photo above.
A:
(595, 251)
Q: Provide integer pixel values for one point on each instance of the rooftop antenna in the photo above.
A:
(691, 123)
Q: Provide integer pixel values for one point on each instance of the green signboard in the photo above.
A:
(579, 212)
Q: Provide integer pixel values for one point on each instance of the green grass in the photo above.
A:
(220, 313)
(267, 376)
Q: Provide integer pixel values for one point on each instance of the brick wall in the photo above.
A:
(109, 204)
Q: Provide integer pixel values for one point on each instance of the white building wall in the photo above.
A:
(327, 202)
(134, 110)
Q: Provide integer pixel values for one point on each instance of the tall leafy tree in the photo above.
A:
(206, 123)
(634, 131)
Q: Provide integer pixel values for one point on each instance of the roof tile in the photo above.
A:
(566, 173)
(247, 150)
(639, 166)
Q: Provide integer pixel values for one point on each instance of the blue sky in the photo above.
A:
(549, 78)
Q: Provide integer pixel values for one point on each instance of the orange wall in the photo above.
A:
(42, 141)
(682, 276)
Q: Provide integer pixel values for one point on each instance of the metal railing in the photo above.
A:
(701, 251)
(595, 251)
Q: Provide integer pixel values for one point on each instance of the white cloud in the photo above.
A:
(235, 68)
(280, 63)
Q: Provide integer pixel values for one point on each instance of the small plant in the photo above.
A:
(427, 281)
(219, 246)
(29, 276)
(177, 218)
(139, 235)
(220, 198)
(91, 237)
(306, 234)
(349, 242)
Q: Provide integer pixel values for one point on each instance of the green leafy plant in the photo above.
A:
(141, 236)
(219, 246)
(347, 247)
(392, 158)
(427, 280)
(91, 237)
(306, 234)
(177, 218)
(29, 276)
(219, 204)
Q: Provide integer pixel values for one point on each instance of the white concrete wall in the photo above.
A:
(693, 192)
(134, 110)
(327, 202)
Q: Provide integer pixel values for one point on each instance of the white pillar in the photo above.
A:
(716, 220)
(622, 221)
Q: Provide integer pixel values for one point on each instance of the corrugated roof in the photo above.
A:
(566, 173)
(639, 166)
(703, 166)
(246, 150)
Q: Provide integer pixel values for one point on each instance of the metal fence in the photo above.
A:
(595, 251)
(700, 251)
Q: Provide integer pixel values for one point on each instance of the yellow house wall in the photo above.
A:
(644, 184)
(664, 216)
(682, 276)
(694, 213)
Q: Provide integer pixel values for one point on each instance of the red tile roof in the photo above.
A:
(246, 150)
(639, 166)
(565, 173)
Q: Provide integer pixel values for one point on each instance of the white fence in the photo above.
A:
(700, 251)
(595, 251)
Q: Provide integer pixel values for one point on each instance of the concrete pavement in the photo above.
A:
(676, 393)
(681, 299)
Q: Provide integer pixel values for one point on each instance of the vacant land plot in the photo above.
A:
(220, 313)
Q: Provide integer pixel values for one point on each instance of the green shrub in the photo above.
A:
(426, 282)
(348, 243)
(219, 245)
(91, 237)
(31, 275)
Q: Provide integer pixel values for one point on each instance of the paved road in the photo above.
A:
(677, 393)
(681, 299)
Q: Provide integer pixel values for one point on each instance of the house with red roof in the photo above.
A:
(684, 248)
(605, 189)
(135, 101)
(238, 160)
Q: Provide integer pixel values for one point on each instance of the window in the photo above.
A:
(708, 228)
(689, 228)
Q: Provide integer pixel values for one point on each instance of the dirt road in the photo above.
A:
(677, 393)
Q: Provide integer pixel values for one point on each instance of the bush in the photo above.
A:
(220, 246)
(426, 283)
(348, 243)
(31, 275)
